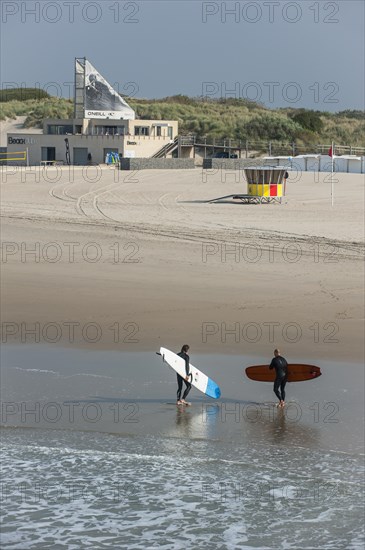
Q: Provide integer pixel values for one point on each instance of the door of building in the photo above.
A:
(48, 153)
(80, 156)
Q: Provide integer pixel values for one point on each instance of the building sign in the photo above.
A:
(21, 141)
(100, 99)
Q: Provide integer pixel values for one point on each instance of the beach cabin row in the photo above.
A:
(320, 163)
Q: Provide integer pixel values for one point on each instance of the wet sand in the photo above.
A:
(133, 394)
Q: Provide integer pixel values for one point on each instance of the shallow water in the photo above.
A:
(95, 454)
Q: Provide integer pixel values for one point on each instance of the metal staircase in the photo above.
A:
(166, 149)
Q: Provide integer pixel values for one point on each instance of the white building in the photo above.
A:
(103, 122)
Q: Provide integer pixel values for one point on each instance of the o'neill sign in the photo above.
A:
(97, 96)
(102, 114)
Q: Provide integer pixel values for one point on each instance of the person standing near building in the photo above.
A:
(281, 368)
(184, 355)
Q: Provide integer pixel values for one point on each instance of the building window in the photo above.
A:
(141, 131)
(60, 129)
(108, 131)
(158, 131)
(169, 131)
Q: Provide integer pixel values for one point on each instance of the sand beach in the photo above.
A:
(106, 259)
(99, 269)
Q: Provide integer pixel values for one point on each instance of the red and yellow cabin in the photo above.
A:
(265, 181)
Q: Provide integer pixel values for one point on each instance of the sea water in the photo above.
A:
(95, 454)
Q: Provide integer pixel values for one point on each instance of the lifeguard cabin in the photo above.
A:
(265, 184)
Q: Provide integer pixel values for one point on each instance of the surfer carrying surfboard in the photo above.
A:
(184, 355)
(281, 368)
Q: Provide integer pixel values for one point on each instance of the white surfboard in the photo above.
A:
(198, 379)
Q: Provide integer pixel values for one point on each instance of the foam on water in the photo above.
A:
(58, 375)
(232, 474)
(79, 490)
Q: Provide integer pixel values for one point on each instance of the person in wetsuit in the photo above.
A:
(281, 368)
(184, 355)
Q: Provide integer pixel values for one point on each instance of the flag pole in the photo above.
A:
(332, 155)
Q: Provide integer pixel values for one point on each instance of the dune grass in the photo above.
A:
(237, 119)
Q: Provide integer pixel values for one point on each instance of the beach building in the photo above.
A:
(104, 126)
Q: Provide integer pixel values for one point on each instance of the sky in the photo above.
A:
(284, 54)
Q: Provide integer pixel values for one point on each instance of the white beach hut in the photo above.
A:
(278, 161)
(306, 163)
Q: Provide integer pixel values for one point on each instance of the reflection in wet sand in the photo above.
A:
(126, 397)
(282, 430)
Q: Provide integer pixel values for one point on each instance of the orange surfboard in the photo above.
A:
(296, 373)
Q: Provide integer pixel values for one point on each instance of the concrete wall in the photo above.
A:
(156, 164)
(230, 164)
(187, 152)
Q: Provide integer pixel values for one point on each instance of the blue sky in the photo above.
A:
(301, 54)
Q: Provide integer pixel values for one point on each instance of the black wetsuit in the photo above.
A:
(281, 367)
(180, 379)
